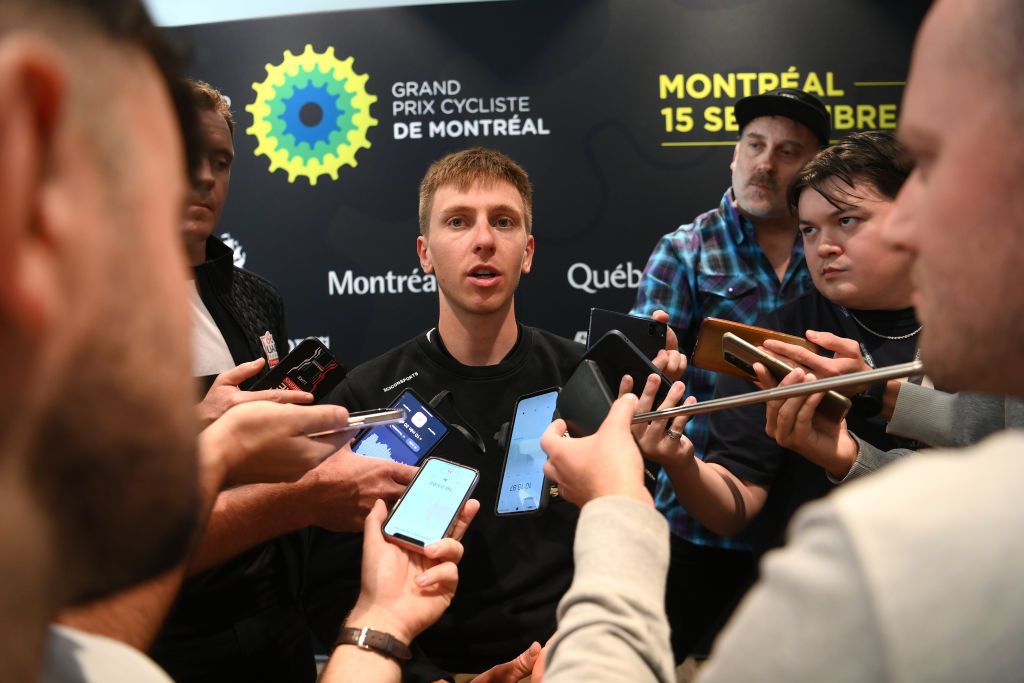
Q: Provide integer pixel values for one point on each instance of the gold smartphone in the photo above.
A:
(707, 354)
(741, 354)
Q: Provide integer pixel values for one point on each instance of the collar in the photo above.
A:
(738, 226)
(433, 346)
(220, 260)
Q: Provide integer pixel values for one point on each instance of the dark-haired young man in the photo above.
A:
(476, 239)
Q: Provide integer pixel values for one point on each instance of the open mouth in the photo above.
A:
(483, 274)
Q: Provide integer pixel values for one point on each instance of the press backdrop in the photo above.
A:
(620, 110)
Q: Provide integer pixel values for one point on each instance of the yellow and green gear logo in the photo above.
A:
(311, 114)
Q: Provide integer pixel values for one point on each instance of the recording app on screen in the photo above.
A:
(431, 502)
(407, 442)
(522, 481)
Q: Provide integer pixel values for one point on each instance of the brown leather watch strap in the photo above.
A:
(378, 641)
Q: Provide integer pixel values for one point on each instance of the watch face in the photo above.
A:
(868, 403)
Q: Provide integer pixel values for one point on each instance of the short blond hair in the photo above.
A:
(470, 166)
(208, 98)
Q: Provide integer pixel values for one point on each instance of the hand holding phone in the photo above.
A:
(406, 589)
(743, 355)
(428, 509)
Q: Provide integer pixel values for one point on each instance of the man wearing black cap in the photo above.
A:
(738, 261)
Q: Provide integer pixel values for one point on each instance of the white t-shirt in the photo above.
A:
(210, 353)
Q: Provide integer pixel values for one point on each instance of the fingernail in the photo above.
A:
(421, 580)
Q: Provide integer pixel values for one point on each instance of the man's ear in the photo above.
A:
(735, 155)
(33, 95)
(421, 251)
(528, 255)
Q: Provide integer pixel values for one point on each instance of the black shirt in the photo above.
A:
(738, 442)
(515, 569)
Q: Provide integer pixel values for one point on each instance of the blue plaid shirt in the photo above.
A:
(712, 267)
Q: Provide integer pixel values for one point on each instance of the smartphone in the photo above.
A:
(743, 355)
(616, 356)
(646, 334)
(707, 354)
(367, 418)
(427, 510)
(406, 441)
(522, 487)
(309, 367)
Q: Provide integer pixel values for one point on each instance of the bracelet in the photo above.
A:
(378, 641)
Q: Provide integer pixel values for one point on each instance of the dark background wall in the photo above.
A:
(610, 85)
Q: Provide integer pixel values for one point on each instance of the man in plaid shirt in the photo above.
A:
(738, 261)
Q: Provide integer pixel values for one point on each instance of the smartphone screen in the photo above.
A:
(408, 441)
(426, 510)
(522, 486)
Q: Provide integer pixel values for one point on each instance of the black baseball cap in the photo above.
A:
(792, 103)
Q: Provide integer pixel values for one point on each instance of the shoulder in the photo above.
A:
(398, 366)
(952, 510)
(558, 347)
(72, 655)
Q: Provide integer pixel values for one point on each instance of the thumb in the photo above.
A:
(240, 373)
(374, 520)
(621, 415)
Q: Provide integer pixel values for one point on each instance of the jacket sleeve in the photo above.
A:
(611, 623)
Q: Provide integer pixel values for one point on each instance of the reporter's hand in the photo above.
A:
(847, 358)
(513, 671)
(264, 442)
(402, 591)
(658, 439)
(342, 490)
(669, 360)
(795, 424)
(225, 394)
(603, 464)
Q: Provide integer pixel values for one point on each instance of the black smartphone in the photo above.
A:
(646, 334)
(407, 441)
(743, 355)
(522, 487)
(427, 510)
(309, 367)
(616, 356)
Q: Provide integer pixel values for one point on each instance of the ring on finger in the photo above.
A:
(673, 434)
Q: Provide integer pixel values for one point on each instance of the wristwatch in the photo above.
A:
(868, 403)
(378, 641)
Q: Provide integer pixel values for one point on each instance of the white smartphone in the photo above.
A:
(428, 509)
(366, 418)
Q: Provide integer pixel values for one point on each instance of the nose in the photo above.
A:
(483, 237)
(900, 228)
(828, 246)
(202, 180)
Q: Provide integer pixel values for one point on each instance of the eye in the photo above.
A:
(504, 222)
(456, 222)
(808, 231)
(788, 153)
(849, 221)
